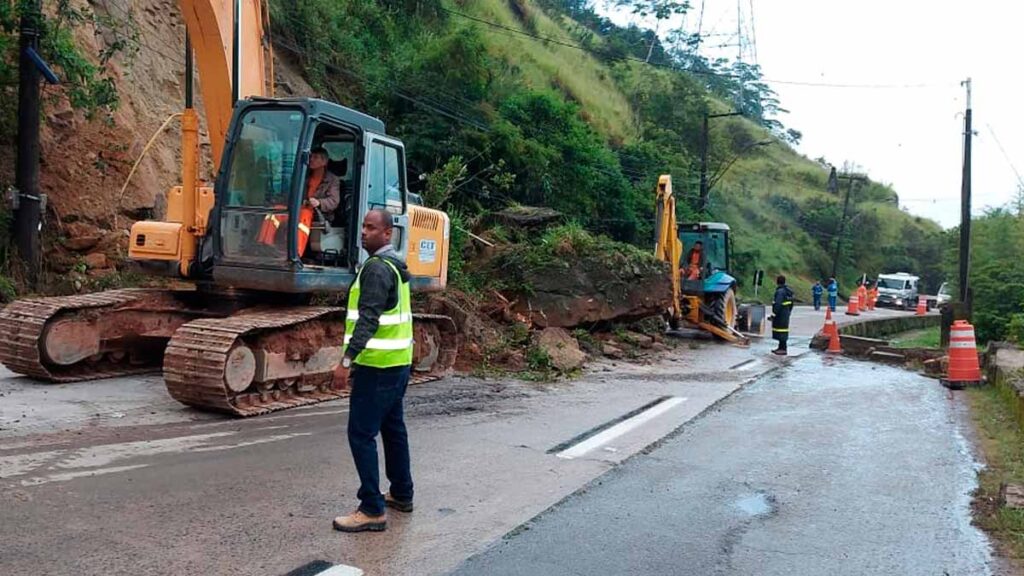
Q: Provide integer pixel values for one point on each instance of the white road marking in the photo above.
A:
(305, 415)
(251, 442)
(24, 463)
(96, 456)
(620, 429)
(341, 570)
(96, 460)
(64, 476)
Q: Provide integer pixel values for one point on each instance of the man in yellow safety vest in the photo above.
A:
(378, 351)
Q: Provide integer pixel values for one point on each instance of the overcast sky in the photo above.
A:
(910, 138)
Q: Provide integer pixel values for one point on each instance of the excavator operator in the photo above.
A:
(323, 191)
(694, 258)
(323, 188)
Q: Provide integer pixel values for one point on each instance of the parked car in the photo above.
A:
(898, 290)
(939, 298)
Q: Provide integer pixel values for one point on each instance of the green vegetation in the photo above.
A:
(1002, 443)
(927, 338)
(997, 280)
(85, 78)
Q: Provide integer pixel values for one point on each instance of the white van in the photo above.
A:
(898, 290)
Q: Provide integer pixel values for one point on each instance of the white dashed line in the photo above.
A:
(341, 570)
(619, 429)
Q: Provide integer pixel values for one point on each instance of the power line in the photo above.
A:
(1005, 155)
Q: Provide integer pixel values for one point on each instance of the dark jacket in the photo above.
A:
(378, 293)
(329, 194)
(782, 307)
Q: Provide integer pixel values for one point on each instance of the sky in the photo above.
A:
(907, 129)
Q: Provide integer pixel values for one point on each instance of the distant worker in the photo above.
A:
(378, 351)
(833, 293)
(323, 188)
(782, 307)
(693, 259)
(816, 291)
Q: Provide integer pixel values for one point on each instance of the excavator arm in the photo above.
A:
(228, 41)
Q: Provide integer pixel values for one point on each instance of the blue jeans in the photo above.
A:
(376, 407)
(817, 301)
(832, 302)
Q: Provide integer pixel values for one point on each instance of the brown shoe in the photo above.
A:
(359, 522)
(397, 504)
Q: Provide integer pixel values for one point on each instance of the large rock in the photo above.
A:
(563, 350)
(81, 237)
(594, 290)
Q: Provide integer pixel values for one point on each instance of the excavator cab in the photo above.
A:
(264, 234)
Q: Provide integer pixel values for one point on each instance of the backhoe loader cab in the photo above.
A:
(714, 257)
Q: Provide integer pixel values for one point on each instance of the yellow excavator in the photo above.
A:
(244, 337)
(703, 289)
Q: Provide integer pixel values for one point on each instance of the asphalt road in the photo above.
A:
(113, 477)
(828, 467)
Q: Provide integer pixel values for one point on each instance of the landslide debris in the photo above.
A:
(570, 278)
(541, 299)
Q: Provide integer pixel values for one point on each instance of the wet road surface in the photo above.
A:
(114, 477)
(830, 466)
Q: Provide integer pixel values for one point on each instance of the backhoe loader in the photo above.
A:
(246, 339)
(703, 291)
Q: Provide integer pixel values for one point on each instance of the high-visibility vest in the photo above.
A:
(272, 222)
(391, 345)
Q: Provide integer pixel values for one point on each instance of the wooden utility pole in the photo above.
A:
(965, 209)
(704, 146)
(842, 221)
(28, 200)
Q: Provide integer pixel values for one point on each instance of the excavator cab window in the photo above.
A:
(261, 169)
(329, 235)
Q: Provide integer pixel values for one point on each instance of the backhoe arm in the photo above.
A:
(668, 248)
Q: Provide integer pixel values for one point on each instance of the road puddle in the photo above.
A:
(754, 504)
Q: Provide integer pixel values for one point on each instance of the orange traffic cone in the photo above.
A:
(834, 345)
(922, 307)
(826, 329)
(853, 306)
(872, 298)
(964, 367)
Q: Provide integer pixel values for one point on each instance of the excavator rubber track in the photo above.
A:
(24, 325)
(264, 360)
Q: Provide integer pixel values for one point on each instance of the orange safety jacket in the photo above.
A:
(272, 222)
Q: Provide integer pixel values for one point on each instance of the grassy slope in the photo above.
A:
(545, 65)
(747, 198)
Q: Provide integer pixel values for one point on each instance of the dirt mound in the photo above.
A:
(569, 278)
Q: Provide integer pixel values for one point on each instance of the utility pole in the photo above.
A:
(965, 208)
(28, 200)
(842, 222)
(704, 146)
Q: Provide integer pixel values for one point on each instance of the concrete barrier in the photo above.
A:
(865, 339)
(1004, 366)
(881, 327)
